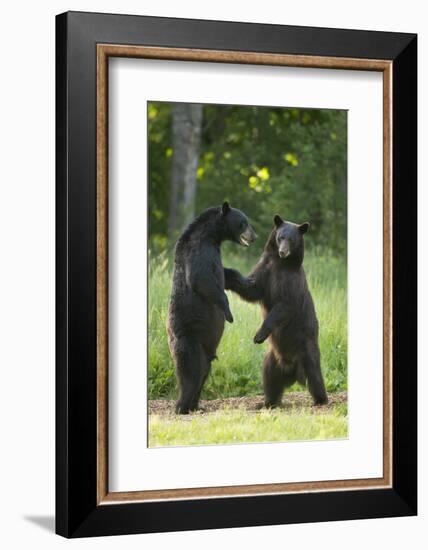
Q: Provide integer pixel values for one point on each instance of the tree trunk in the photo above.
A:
(186, 138)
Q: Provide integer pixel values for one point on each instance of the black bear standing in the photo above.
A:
(199, 304)
(278, 282)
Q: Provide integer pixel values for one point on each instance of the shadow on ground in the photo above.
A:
(45, 522)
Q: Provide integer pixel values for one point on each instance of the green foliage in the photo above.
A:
(237, 372)
(159, 158)
(264, 160)
(240, 426)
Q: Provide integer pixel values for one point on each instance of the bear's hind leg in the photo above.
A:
(205, 367)
(191, 370)
(274, 380)
(312, 368)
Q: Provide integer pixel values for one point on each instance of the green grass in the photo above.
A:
(239, 426)
(237, 372)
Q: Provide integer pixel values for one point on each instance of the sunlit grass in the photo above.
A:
(240, 426)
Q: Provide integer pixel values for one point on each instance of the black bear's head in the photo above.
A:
(236, 226)
(289, 239)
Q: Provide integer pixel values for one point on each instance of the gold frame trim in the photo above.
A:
(104, 51)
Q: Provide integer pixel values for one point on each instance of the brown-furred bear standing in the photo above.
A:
(278, 283)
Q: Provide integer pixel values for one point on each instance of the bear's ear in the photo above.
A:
(278, 220)
(225, 208)
(304, 227)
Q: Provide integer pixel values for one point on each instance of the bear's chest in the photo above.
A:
(279, 288)
(217, 270)
(208, 261)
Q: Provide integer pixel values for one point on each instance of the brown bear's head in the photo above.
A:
(288, 238)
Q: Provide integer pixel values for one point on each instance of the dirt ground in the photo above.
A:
(295, 400)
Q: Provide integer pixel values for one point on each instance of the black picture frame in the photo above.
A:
(77, 512)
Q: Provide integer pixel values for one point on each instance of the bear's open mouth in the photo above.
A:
(244, 241)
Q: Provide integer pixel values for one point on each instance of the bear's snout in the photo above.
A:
(284, 251)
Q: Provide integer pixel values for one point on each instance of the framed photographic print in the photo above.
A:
(236, 274)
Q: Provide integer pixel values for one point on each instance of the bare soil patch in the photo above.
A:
(291, 400)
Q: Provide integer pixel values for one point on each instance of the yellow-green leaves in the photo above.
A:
(263, 173)
(258, 182)
(152, 111)
(291, 158)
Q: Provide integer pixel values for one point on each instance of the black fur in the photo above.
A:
(278, 282)
(199, 305)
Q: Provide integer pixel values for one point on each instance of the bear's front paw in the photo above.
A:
(260, 336)
(228, 316)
